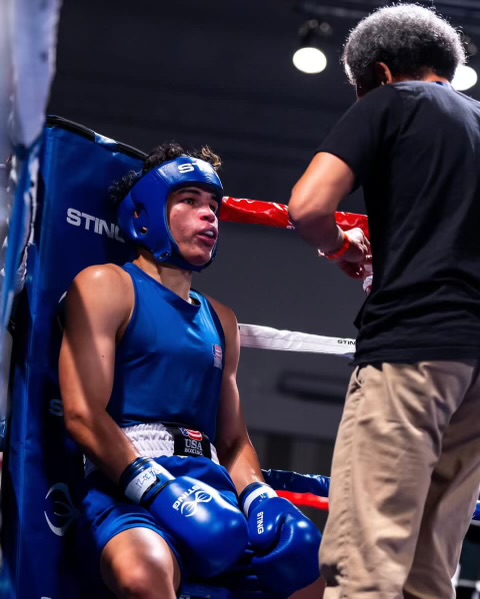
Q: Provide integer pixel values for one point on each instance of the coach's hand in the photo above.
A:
(211, 532)
(285, 542)
(358, 258)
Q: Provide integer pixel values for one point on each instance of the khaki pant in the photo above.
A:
(405, 478)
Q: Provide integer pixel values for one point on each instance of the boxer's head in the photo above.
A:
(175, 191)
(410, 40)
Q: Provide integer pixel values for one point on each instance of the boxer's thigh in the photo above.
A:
(139, 562)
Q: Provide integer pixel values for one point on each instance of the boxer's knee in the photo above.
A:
(141, 582)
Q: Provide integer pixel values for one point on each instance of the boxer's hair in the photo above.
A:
(410, 39)
(159, 155)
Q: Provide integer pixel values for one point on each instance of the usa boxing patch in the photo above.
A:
(190, 443)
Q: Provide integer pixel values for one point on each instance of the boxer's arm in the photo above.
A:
(98, 305)
(234, 447)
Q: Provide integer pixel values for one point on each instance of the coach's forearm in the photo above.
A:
(318, 230)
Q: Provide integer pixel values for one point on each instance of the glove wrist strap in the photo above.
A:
(250, 493)
(140, 476)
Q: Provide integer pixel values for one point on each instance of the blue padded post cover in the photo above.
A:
(74, 228)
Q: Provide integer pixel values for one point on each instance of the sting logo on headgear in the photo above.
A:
(142, 215)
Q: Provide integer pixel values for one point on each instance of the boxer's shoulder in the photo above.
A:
(100, 289)
(101, 275)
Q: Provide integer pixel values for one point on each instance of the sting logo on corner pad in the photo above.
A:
(77, 218)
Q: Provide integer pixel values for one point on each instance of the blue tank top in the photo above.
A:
(169, 364)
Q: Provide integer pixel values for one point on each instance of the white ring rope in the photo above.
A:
(260, 337)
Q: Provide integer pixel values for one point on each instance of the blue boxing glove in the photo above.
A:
(285, 542)
(211, 532)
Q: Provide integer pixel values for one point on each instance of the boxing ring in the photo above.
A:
(73, 227)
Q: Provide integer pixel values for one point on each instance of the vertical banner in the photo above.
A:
(33, 51)
(28, 35)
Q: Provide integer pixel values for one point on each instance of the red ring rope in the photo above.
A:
(271, 214)
(305, 500)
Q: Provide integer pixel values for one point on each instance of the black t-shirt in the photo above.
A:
(415, 149)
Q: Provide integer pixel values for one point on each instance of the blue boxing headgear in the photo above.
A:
(142, 214)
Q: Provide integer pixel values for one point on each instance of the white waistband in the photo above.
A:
(151, 440)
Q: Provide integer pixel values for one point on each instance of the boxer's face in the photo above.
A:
(192, 218)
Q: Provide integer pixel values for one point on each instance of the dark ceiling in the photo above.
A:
(212, 71)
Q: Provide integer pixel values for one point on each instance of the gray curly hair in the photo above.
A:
(408, 38)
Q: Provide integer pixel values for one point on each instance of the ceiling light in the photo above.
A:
(465, 78)
(310, 60)
(310, 57)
